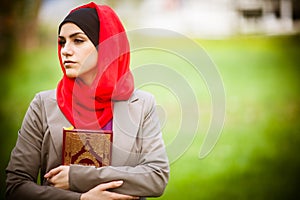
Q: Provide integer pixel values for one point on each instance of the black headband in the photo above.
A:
(87, 20)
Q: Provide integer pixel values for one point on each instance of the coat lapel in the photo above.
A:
(56, 122)
(126, 121)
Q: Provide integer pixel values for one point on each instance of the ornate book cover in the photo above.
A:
(86, 147)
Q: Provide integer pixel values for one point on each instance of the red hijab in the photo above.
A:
(90, 107)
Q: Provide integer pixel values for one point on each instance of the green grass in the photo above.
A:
(256, 156)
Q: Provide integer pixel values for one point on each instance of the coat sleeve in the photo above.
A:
(25, 162)
(149, 175)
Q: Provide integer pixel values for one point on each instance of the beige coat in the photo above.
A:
(138, 154)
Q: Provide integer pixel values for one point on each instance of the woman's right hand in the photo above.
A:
(100, 192)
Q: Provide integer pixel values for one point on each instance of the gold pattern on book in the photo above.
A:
(83, 147)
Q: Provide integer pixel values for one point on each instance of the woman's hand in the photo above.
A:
(59, 177)
(100, 192)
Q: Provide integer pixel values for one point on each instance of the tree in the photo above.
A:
(18, 28)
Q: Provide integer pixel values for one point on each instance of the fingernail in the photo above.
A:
(119, 182)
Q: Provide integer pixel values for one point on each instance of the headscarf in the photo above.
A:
(87, 20)
(91, 107)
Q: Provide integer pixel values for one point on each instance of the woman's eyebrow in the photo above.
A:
(72, 35)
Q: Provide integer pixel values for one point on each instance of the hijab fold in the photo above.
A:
(91, 107)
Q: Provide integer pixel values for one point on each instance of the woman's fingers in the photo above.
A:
(100, 192)
(58, 177)
(113, 195)
(53, 172)
(109, 185)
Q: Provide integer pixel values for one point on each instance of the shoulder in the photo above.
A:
(47, 95)
(37, 110)
(143, 98)
(141, 95)
(43, 99)
(139, 101)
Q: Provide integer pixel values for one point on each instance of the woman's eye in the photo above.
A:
(61, 42)
(78, 41)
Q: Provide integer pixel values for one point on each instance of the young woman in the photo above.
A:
(95, 92)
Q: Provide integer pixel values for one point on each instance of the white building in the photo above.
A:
(196, 18)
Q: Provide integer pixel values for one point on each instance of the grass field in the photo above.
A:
(256, 156)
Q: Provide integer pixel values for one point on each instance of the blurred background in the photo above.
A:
(255, 45)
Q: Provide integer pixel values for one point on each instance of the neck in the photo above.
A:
(88, 78)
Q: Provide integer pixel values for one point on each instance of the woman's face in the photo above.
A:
(78, 53)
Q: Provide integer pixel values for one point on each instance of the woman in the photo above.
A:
(96, 92)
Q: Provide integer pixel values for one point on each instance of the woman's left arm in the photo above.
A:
(148, 178)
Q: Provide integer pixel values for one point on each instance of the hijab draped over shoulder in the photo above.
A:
(91, 107)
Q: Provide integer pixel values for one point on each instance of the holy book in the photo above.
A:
(87, 147)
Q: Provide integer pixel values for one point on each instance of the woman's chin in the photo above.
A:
(71, 74)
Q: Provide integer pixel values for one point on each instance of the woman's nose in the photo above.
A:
(66, 50)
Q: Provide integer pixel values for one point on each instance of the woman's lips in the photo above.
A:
(68, 63)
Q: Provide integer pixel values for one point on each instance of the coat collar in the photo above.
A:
(126, 121)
